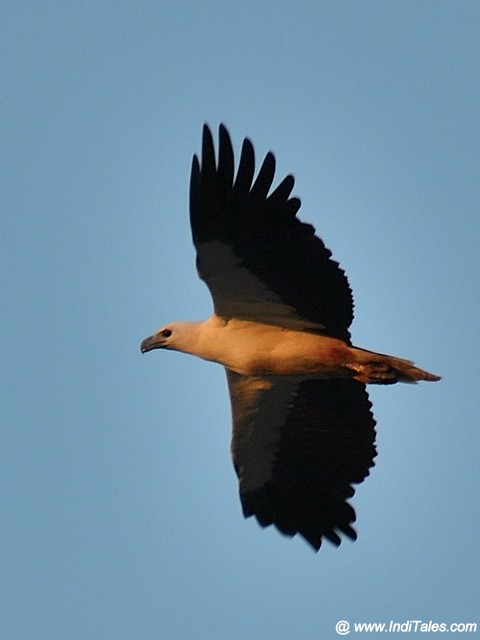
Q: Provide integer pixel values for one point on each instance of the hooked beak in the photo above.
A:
(152, 342)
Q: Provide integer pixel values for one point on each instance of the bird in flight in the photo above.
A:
(303, 429)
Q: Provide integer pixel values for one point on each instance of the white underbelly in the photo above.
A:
(258, 349)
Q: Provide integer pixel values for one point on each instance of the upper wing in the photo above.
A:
(298, 446)
(258, 260)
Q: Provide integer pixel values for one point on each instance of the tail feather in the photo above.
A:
(377, 368)
(406, 371)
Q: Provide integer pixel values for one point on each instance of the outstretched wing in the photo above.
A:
(258, 259)
(298, 445)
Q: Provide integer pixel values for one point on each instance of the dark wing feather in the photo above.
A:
(297, 459)
(267, 245)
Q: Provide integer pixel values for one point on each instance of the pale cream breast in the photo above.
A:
(253, 348)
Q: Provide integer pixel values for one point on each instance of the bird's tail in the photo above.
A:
(378, 368)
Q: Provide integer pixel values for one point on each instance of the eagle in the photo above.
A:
(303, 428)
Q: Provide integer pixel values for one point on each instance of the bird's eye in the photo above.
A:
(166, 333)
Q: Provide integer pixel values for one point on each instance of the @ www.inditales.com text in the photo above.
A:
(344, 627)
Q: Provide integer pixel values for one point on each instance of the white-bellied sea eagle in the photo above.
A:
(303, 430)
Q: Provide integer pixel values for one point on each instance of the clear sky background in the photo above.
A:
(120, 518)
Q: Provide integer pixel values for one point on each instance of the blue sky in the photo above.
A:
(119, 512)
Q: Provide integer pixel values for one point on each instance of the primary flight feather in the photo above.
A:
(303, 430)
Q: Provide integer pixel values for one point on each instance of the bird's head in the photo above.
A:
(175, 335)
(162, 339)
